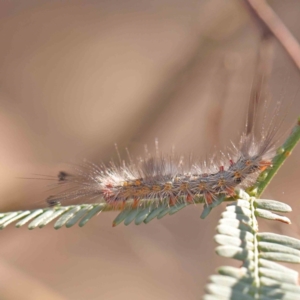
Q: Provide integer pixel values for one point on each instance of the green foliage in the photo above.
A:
(68, 216)
(260, 276)
(65, 215)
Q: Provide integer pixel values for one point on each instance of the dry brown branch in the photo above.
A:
(270, 23)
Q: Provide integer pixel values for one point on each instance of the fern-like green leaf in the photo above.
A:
(68, 216)
(260, 276)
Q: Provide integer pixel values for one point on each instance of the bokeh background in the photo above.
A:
(77, 77)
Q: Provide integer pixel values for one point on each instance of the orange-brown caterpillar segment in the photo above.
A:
(264, 165)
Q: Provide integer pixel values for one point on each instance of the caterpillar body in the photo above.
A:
(167, 178)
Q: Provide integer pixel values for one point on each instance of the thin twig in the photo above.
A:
(272, 23)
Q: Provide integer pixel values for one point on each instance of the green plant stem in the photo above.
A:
(282, 154)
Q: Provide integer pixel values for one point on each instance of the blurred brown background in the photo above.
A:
(78, 76)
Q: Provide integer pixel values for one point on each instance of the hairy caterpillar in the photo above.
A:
(168, 178)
